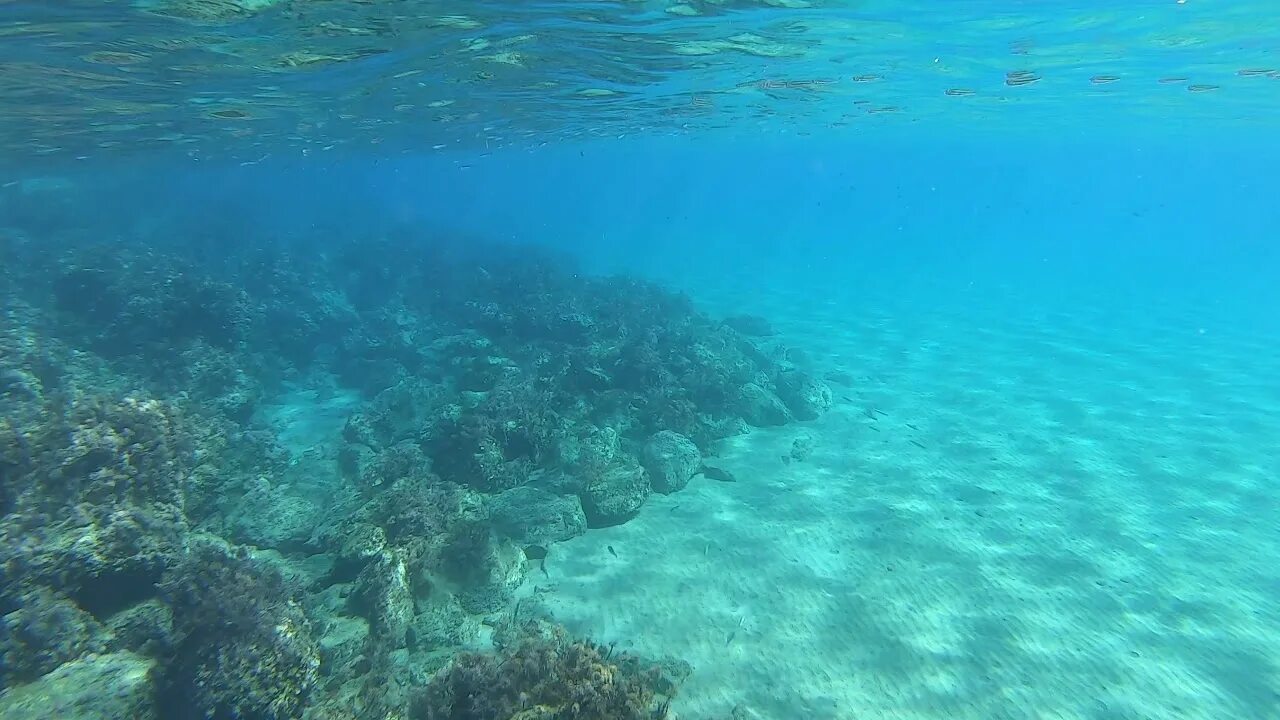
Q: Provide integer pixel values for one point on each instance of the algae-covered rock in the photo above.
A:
(760, 407)
(384, 596)
(671, 460)
(244, 646)
(486, 568)
(533, 516)
(616, 496)
(804, 395)
(45, 631)
(269, 517)
(96, 687)
(441, 622)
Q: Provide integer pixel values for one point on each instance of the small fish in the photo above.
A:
(865, 78)
(913, 427)
(958, 92)
(1201, 88)
(611, 550)
(1254, 72)
(1103, 79)
(1171, 80)
(873, 427)
(1018, 78)
(732, 635)
(918, 444)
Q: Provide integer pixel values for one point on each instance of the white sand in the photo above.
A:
(1090, 529)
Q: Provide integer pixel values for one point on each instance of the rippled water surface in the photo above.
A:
(241, 77)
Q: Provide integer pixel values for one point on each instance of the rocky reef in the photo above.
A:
(159, 531)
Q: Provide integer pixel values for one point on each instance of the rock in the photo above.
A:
(801, 448)
(760, 407)
(533, 516)
(383, 596)
(442, 623)
(95, 687)
(269, 517)
(671, 459)
(804, 395)
(144, 628)
(616, 497)
(46, 631)
(342, 645)
(487, 569)
(750, 325)
(356, 461)
(361, 545)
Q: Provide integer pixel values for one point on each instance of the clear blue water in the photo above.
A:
(1032, 248)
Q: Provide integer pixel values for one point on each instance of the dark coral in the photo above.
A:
(543, 677)
(244, 648)
(98, 513)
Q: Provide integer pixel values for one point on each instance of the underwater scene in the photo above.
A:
(639, 359)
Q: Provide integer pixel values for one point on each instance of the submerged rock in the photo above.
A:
(761, 407)
(671, 460)
(45, 631)
(269, 517)
(804, 395)
(487, 569)
(533, 516)
(117, 686)
(616, 496)
(384, 596)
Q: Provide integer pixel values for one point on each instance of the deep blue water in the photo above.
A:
(1184, 221)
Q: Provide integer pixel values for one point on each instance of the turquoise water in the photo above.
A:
(836, 359)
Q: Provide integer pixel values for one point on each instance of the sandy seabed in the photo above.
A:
(1008, 513)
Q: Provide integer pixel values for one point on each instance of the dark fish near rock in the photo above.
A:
(720, 474)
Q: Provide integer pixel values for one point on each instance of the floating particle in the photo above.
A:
(958, 92)
(1202, 88)
(1018, 78)
(1103, 79)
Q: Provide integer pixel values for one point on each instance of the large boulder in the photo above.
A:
(760, 407)
(671, 459)
(616, 496)
(117, 686)
(534, 516)
(804, 395)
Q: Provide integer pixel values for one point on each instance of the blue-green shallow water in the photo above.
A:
(1042, 482)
